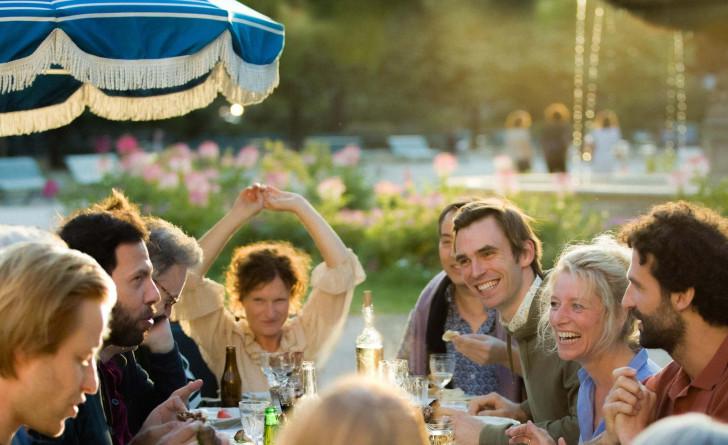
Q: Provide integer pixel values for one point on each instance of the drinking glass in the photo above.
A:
(442, 367)
(388, 371)
(252, 418)
(417, 389)
(440, 431)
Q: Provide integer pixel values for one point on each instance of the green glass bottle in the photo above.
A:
(271, 426)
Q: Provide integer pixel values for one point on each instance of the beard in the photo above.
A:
(125, 330)
(664, 329)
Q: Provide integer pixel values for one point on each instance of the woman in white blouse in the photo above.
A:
(266, 283)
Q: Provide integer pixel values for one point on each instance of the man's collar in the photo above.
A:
(521, 316)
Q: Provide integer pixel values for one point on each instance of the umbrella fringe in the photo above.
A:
(42, 119)
(127, 108)
(20, 74)
(136, 74)
(262, 79)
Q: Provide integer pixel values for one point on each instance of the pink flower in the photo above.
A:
(135, 163)
(444, 164)
(278, 179)
(247, 156)
(199, 198)
(347, 157)
(180, 150)
(127, 144)
(168, 180)
(151, 172)
(387, 188)
(209, 150)
(50, 189)
(352, 217)
(180, 164)
(331, 188)
(198, 188)
(212, 174)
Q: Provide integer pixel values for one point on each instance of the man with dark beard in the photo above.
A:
(677, 292)
(115, 238)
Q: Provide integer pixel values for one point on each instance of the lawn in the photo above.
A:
(394, 291)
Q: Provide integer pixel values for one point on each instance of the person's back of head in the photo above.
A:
(42, 287)
(11, 234)
(688, 246)
(515, 225)
(693, 429)
(101, 228)
(168, 246)
(356, 411)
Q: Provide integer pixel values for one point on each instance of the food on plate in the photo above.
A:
(449, 335)
(223, 414)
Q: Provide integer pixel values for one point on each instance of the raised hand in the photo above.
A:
(249, 201)
(481, 349)
(494, 404)
(531, 434)
(279, 200)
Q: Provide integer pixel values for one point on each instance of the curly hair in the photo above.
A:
(689, 247)
(257, 264)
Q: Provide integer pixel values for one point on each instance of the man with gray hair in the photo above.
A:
(172, 253)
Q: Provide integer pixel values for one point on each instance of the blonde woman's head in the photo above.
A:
(596, 279)
(356, 411)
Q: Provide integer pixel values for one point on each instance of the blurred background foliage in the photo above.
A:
(424, 66)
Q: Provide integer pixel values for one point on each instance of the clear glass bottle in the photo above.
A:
(369, 350)
(230, 382)
(309, 379)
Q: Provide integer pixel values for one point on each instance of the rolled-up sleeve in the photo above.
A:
(202, 315)
(327, 307)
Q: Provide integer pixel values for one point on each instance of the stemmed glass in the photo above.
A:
(442, 367)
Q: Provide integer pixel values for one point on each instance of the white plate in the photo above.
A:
(215, 421)
(493, 420)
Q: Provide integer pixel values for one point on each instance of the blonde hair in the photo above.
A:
(41, 288)
(356, 411)
(601, 267)
(557, 109)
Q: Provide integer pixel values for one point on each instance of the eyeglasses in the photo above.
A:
(171, 299)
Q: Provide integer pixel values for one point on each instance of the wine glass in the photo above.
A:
(442, 367)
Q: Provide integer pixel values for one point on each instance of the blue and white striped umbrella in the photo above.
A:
(130, 59)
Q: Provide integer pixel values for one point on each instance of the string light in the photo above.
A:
(593, 72)
(677, 107)
(578, 107)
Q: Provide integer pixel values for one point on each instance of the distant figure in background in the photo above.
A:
(605, 135)
(356, 411)
(518, 139)
(556, 137)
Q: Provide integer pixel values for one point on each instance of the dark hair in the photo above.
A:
(449, 208)
(514, 223)
(688, 245)
(101, 228)
(257, 264)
